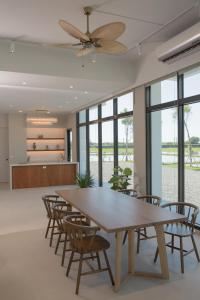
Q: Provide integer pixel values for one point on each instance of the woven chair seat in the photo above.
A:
(90, 244)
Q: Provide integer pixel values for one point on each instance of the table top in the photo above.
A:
(114, 211)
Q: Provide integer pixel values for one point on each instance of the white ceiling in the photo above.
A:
(147, 21)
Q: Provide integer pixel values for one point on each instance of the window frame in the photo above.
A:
(99, 121)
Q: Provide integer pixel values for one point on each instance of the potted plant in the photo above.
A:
(120, 178)
(84, 180)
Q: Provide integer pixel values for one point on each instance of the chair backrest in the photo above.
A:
(130, 192)
(61, 210)
(189, 210)
(77, 228)
(152, 199)
(49, 202)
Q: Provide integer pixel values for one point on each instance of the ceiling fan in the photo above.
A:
(101, 40)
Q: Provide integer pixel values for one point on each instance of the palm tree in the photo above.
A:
(187, 113)
(128, 124)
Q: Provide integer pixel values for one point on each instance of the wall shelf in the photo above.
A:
(44, 139)
(39, 150)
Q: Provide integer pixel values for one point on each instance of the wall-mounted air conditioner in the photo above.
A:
(183, 44)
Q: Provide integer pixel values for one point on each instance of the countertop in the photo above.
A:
(44, 163)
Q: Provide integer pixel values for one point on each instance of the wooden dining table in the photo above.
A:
(115, 212)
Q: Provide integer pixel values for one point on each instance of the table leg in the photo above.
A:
(118, 258)
(131, 251)
(162, 250)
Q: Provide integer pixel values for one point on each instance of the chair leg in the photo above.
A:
(172, 241)
(52, 232)
(79, 273)
(195, 248)
(98, 260)
(64, 250)
(156, 255)
(181, 255)
(108, 266)
(138, 241)
(47, 230)
(58, 242)
(125, 237)
(70, 263)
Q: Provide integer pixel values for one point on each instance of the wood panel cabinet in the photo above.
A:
(43, 175)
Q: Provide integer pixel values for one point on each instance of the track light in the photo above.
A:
(12, 47)
(139, 49)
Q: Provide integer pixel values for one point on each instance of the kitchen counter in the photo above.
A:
(44, 163)
(42, 174)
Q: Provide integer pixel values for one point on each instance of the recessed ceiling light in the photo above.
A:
(48, 112)
(71, 86)
(24, 83)
(86, 92)
(20, 111)
(75, 97)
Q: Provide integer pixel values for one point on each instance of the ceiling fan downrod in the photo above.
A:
(87, 12)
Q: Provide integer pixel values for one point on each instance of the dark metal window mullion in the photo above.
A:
(100, 146)
(87, 143)
(181, 181)
(77, 139)
(148, 143)
(115, 132)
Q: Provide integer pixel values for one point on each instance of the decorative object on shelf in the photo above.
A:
(28, 158)
(120, 178)
(85, 180)
(34, 146)
(47, 147)
(57, 147)
(40, 136)
(61, 157)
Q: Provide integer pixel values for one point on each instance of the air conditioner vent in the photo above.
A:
(185, 43)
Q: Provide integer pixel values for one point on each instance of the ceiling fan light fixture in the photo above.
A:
(42, 121)
(12, 47)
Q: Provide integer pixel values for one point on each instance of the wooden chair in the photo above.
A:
(62, 210)
(85, 242)
(49, 202)
(142, 232)
(182, 230)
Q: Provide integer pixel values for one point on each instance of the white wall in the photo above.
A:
(3, 120)
(17, 138)
(149, 68)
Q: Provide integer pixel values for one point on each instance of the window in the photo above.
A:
(164, 154)
(164, 91)
(107, 108)
(125, 144)
(174, 161)
(192, 82)
(82, 150)
(107, 150)
(106, 143)
(93, 113)
(82, 116)
(94, 150)
(69, 145)
(125, 103)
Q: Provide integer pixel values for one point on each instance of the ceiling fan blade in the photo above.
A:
(109, 31)
(73, 31)
(84, 51)
(112, 47)
(66, 45)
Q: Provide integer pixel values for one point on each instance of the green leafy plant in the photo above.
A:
(120, 178)
(85, 180)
